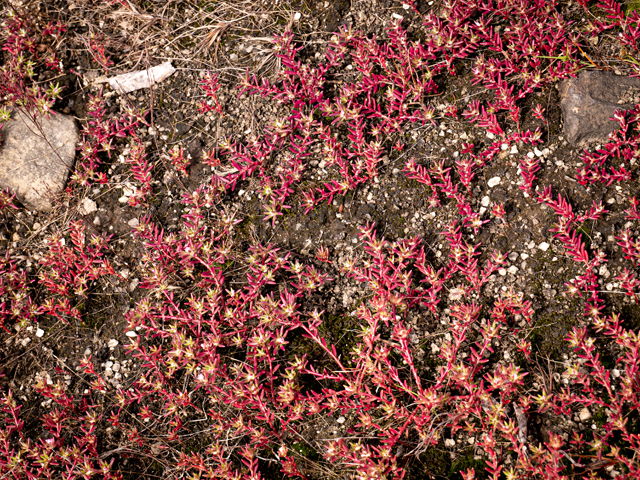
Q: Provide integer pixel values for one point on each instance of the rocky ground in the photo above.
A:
(229, 38)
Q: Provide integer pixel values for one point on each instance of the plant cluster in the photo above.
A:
(23, 55)
(227, 386)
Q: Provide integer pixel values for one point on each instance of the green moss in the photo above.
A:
(245, 227)
(466, 462)
(550, 330)
(338, 330)
(341, 331)
(585, 230)
(599, 417)
(306, 450)
(631, 6)
(432, 463)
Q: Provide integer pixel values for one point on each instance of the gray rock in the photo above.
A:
(35, 159)
(589, 100)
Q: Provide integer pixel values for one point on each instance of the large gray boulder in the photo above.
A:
(590, 100)
(36, 158)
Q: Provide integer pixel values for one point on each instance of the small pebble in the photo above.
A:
(39, 333)
(494, 181)
(88, 206)
(113, 343)
(584, 414)
(544, 246)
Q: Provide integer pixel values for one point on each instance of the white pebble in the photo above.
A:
(88, 206)
(584, 414)
(39, 333)
(485, 201)
(544, 246)
(131, 334)
(494, 181)
(113, 343)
